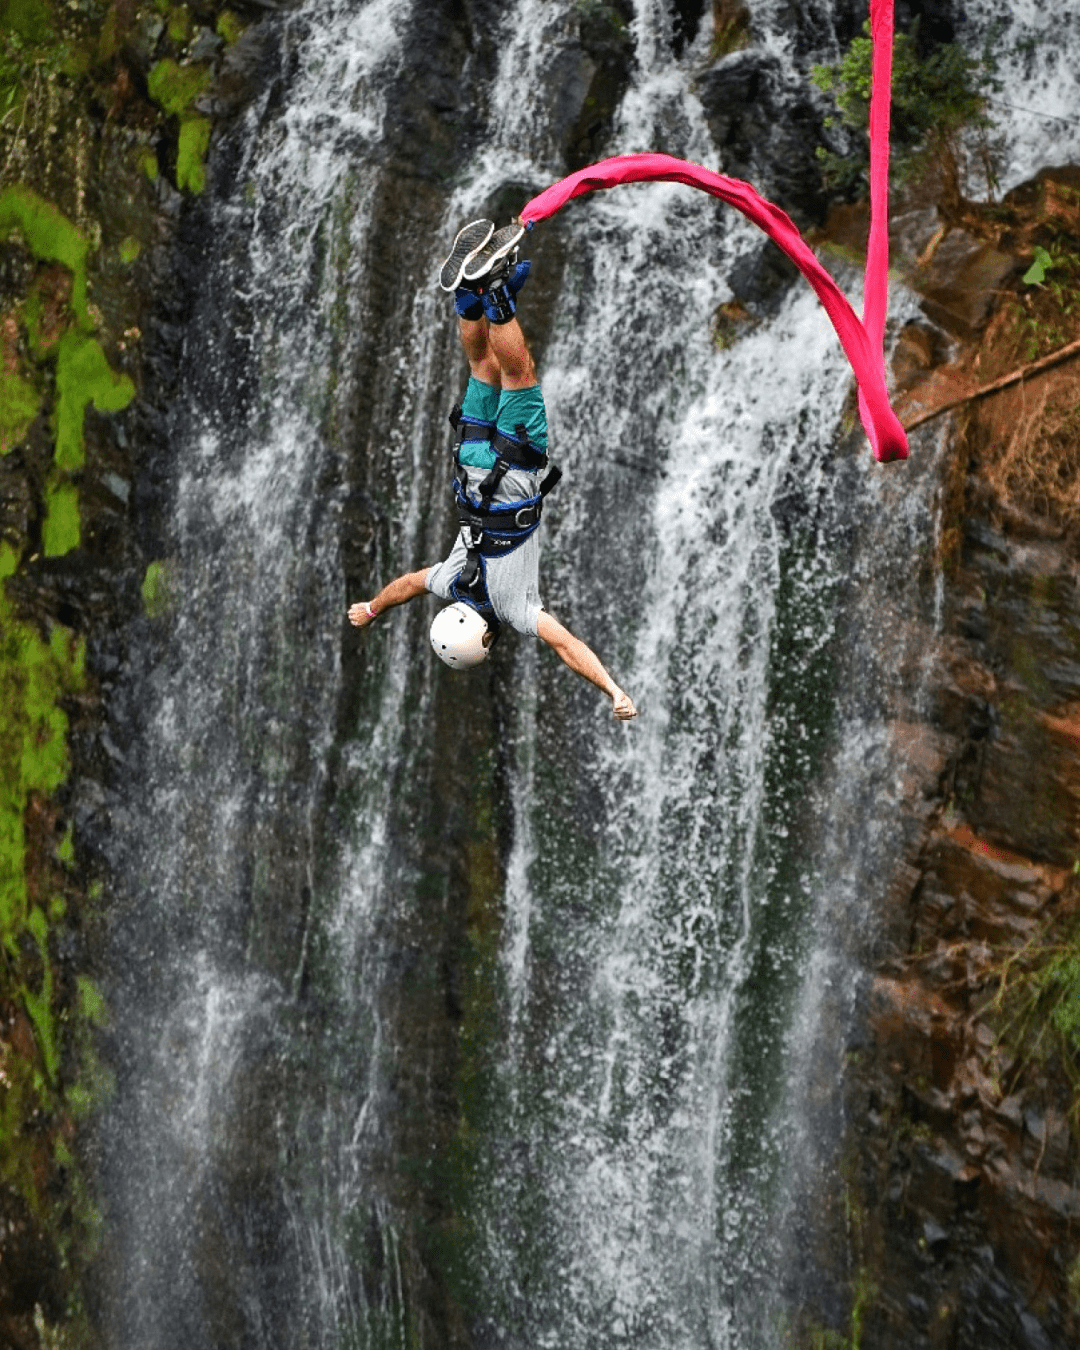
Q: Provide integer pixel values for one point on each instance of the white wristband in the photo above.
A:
(370, 612)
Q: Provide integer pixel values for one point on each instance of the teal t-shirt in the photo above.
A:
(507, 408)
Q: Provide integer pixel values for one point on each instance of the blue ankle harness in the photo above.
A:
(494, 530)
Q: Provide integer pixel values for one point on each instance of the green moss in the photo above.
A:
(35, 676)
(62, 530)
(39, 1002)
(83, 376)
(157, 588)
(130, 248)
(50, 236)
(191, 153)
(45, 1088)
(1073, 1279)
(19, 405)
(229, 26)
(148, 165)
(27, 19)
(107, 39)
(91, 1003)
(176, 87)
(179, 24)
(65, 850)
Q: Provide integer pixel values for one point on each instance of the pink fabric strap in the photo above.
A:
(862, 340)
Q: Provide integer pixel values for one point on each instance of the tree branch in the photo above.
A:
(1003, 382)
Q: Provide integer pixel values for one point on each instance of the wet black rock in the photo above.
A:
(760, 279)
(589, 77)
(766, 123)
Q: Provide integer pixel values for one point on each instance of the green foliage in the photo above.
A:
(26, 19)
(731, 28)
(83, 374)
(935, 101)
(1059, 984)
(1037, 1001)
(1074, 1283)
(1036, 273)
(59, 1079)
(30, 52)
(1047, 313)
(130, 248)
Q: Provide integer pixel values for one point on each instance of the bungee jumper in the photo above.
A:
(491, 576)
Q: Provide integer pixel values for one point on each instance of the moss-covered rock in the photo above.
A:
(96, 108)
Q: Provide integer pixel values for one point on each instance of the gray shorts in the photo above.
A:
(513, 582)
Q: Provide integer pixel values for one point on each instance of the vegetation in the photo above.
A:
(1034, 460)
(96, 102)
(1037, 1000)
(939, 117)
(731, 28)
(82, 372)
(48, 1074)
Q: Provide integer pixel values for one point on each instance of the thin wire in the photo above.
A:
(1050, 117)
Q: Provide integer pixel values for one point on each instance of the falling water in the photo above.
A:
(649, 1046)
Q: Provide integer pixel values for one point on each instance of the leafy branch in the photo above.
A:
(939, 117)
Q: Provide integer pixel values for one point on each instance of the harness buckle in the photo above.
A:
(527, 516)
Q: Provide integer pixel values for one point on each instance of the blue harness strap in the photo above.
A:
(518, 451)
(489, 529)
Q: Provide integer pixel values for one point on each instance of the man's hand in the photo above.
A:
(622, 706)
(583, 661)
(398, 592)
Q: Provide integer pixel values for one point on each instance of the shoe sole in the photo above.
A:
(494, 249)
(470, 240)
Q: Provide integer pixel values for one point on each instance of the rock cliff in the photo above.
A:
(960, 1177)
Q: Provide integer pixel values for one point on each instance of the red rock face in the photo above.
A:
(964, 1119)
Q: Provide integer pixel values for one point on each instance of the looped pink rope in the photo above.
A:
(862, 340)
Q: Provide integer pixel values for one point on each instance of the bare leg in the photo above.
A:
(483, 365)
(397, 592)
(583, 661)
(515, 363)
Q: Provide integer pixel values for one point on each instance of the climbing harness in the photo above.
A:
(494, 529)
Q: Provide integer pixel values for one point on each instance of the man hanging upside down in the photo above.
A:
(492, 574)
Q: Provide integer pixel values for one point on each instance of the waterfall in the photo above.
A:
(622, 1129)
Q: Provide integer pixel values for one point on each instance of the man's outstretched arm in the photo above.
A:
(583, 660)
(398, 592)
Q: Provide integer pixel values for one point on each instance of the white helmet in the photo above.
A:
(457, 636)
